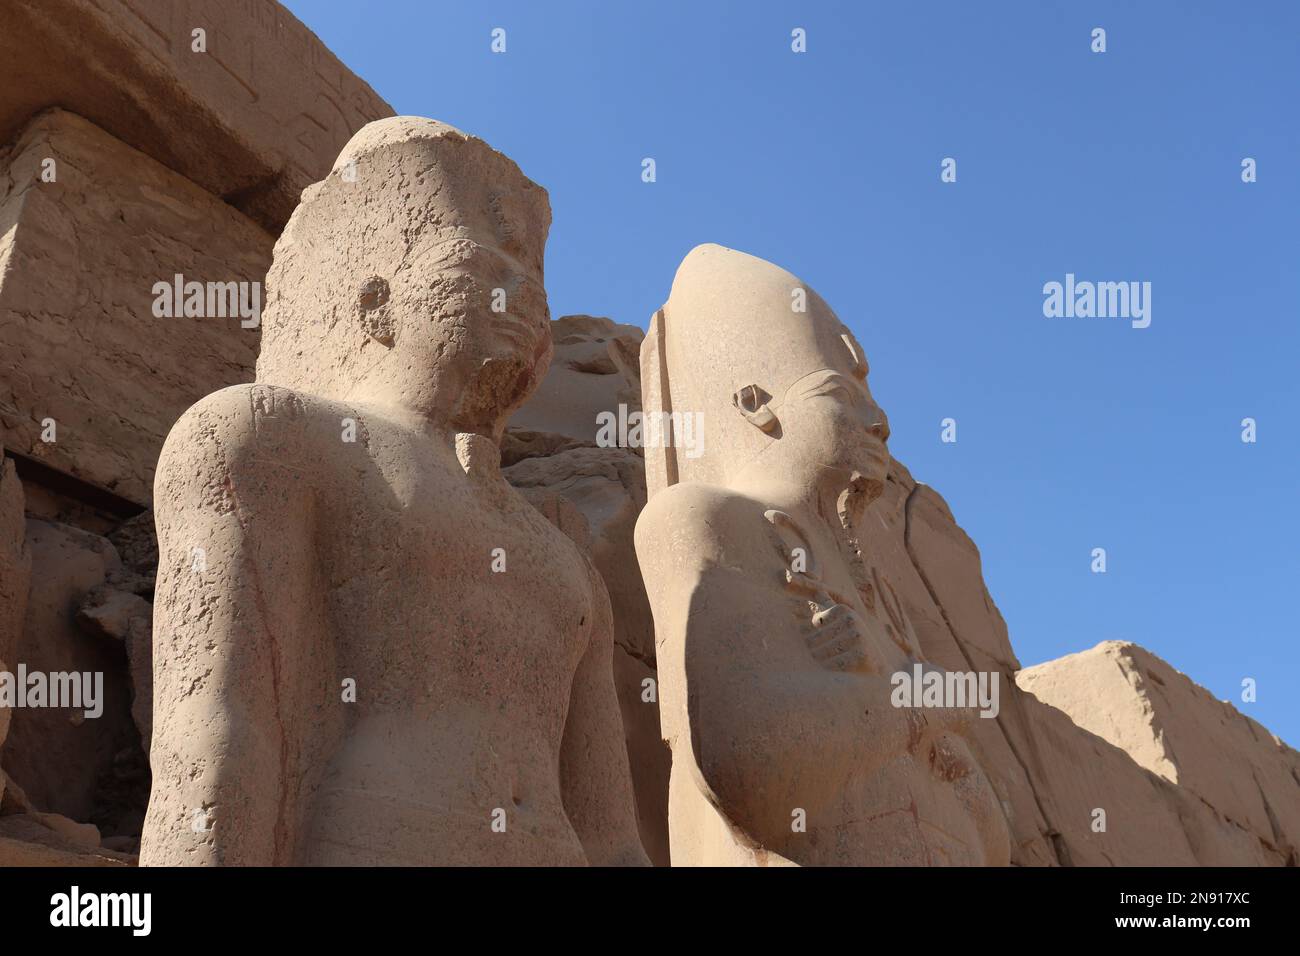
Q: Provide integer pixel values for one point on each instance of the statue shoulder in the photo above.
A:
(248, 428)
(691, 520)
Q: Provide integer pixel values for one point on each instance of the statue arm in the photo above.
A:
(594, 774)
(765, 727)
(233, 574)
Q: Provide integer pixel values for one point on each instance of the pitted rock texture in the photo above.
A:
(594, 370)
(15, 576)
(15, 561)
(358, 536)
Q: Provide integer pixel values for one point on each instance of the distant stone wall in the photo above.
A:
(1062, 745)
(138, 141)
(254, 119)
(1245, 780)
(83, 357)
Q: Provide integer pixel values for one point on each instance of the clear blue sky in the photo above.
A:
(1072, 433)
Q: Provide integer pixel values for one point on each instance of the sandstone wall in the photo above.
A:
(1053, 772)
(253, 121)
(170, 160)
(15, 563)
(1223, 760)
(79, 341)
(83, 768)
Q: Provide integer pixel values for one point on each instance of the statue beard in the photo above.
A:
(855, 498)
(852, 504)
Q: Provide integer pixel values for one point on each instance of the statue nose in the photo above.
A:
(880, 425)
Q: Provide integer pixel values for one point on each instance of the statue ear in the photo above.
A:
(855, 350)
(752, 402)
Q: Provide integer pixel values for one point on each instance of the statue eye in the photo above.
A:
(840, 391)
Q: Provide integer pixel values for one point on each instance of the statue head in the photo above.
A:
(781, 382)
(411, 276)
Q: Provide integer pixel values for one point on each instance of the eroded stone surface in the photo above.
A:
(15, 560)
(124, 616)
(46, 839)
(254, 120)
(1051, 772)
(595, 369)
(898, 578)
(1177, 730)
(137, 545)
(15, 575)
(1183, 779)
(84, 360)
(350, 508)
(607, 486)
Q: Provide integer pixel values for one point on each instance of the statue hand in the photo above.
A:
(838, 642)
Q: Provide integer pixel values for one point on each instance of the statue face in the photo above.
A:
(466, 318)
(483, 275)
(417, 283)
(504, 355)
(493, 326)
(830, 418)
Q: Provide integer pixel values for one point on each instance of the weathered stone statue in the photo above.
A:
(776, 639)
(369, 649)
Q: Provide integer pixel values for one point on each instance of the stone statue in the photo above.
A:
(776, 639)
(369, 649)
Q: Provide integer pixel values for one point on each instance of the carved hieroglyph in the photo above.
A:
(341, 529)
(776, 639)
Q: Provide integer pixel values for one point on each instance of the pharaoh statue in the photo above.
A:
(775, 641)
(368, 648)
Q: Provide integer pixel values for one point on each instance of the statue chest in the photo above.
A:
(472, 582)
